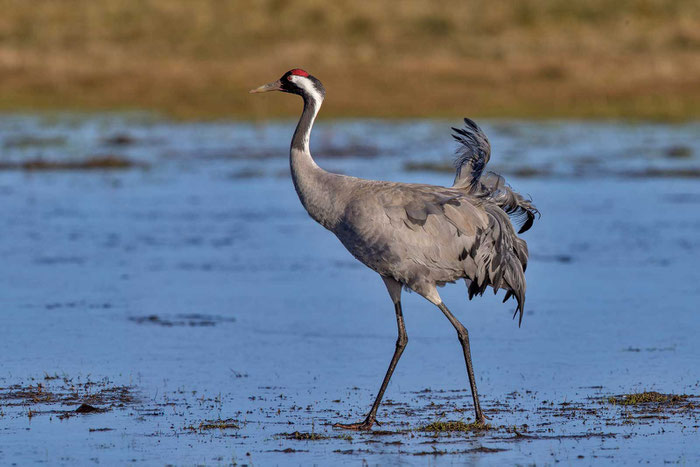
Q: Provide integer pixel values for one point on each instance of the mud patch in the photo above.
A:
(228, 424)
(299, 436)
(446, 167)
(671, 348)
(688, 172)
(87, 408)
(30, 141)
(682, 198)
(192, 320)
(100, 162)
(119, 139)
(679, 152)
(439, 452)
(349, 150)
(650, 398)
(530, 172)
(455, 426)
(247, 173)
(440, 167)
(556, 258)
(53, 394)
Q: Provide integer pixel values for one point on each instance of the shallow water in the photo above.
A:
(200, 286)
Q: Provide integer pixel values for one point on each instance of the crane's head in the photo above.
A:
(295, 81)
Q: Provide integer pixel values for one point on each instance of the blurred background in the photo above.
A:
(157, 263)
(515, 58)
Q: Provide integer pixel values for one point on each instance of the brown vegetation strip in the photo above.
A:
(91, 163)
(55, 393)
(522, 58)
(648, 398)
(455, 426)
(539, 172)
(299, 436)
(219, 425)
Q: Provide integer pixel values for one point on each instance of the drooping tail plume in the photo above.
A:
(473, 154)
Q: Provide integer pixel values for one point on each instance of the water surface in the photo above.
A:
(195, 283)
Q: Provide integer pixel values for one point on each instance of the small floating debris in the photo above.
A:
(87, 408)
(299, 436)
(119, 139)
(193, 320)
(679, 152)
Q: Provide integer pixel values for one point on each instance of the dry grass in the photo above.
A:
(629, 58)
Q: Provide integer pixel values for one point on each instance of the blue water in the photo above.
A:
(301, 333)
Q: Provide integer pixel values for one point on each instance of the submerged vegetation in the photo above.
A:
(217, 425)
(455, 426)
(550, 58)
(66, 396)
(299, 436)
(91, 163)
(647, 397)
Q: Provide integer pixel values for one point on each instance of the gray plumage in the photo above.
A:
(418, 236)
(473, 153)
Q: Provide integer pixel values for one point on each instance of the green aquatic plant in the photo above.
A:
(646, 398)
(299, 436)
(218, 424)
(454, 426)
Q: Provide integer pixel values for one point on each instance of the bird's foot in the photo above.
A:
(360, 426)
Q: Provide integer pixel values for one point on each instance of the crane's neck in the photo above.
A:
(317, 189)
(300, 140)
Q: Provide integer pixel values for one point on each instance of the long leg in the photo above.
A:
(463, 336)
(395, 292)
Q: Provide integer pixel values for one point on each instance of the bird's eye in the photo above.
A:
(289, 78)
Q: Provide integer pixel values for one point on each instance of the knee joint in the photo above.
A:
(462, 333)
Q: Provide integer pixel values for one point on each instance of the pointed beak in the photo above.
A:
(274, 86)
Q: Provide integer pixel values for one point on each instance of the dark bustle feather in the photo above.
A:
(473, 153)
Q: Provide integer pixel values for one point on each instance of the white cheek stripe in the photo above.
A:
(308, 86)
